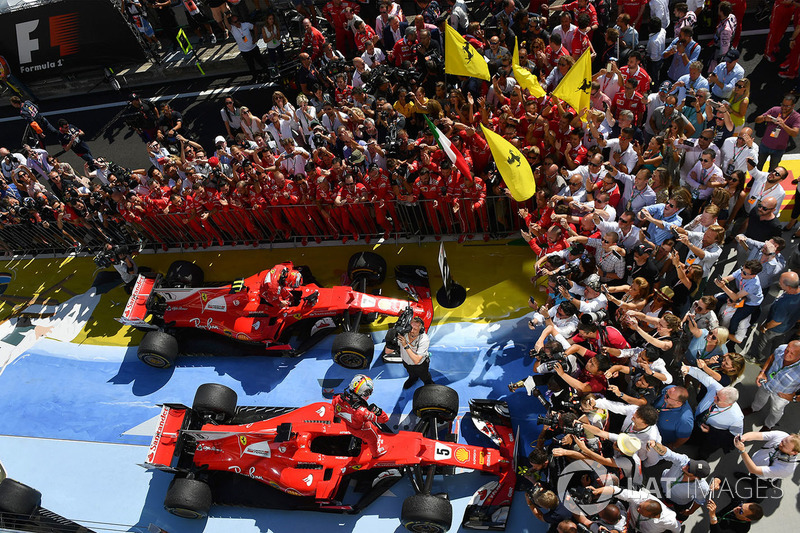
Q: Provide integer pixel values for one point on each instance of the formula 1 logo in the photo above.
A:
(63, 34)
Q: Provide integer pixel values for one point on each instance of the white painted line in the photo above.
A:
(208, 92)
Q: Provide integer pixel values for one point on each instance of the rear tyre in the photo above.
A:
(17, 499)
(426, 513)
(353, 350)
(367, 265)
(182, 274)
(436, 400)
(188, 498)
(215, 400)
(158, 349)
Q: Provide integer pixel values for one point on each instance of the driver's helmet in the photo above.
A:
(361, 386)
(294, 279)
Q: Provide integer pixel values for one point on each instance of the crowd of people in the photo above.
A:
(640, 199)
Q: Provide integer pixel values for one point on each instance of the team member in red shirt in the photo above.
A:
(428, 188)
(334, 12)
(634, 8)
(552, 241)
(379, 191)
(632, 100)
(353, 196)
(474, 205)
(635, 70)
(406, 48)
(313, 40)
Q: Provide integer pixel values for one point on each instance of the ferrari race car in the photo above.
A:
(307, 459)
(178, 307)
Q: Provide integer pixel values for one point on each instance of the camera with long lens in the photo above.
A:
(537, 489)
(575, 429)
(550, 419)
(582, 495)
(594, 317)
(549, 360)
(109, 257)
(532, 391)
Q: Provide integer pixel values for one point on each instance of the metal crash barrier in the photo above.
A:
(490, 218)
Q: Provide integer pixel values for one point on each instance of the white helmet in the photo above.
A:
(361, 386)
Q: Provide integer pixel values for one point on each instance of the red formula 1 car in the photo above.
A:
(169, 307)
(306, 458)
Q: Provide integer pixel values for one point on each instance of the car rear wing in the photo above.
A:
(414, 280)
(491, 504)
(162, 454)
(136, 308)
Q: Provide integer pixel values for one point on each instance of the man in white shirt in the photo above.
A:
(646, 513)
(626, 229)
(566, 30)
(683, 484)
(640, 422)
(736, 151)
(591, 172)
(692, 152)
(242, 33)
(766, 185)
(373, 55)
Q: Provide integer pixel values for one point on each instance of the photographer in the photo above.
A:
(646, 514)
(593, 300)
(624, 457)
(683, 485)
(545, 505)
(558, 322)
(414, 353)
(591, 378)
(640, 422)
(121, 260)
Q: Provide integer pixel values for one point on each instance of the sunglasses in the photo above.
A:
(669, 105)
(740, 86)
(706, 138)
(704, 160)
(607, 241)
(673, 206)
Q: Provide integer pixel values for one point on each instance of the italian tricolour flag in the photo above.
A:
(452, 152)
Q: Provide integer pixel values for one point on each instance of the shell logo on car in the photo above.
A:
(462, 455)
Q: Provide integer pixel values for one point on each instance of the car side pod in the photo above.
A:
(491, 504)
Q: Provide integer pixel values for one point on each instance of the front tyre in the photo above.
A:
(158, 349)
(353, 350)
(17, 499)
(368, 265)
(426, 513)
(216, 401)
(436, 400)
(188, 498)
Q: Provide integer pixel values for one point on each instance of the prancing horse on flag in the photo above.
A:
(513, 158)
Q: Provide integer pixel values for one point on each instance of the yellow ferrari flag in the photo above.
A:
(524, 77)
(512, 165)
(461, 58)
(576, 86)
(528, 81)
(515, 57)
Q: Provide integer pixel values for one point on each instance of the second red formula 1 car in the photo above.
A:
(281, 311)
(307, 458)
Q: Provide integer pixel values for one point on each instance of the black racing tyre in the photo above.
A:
(368, 265)
(182, 274)
(158, 349)
(426, 513)
(436, 400)
(18, 499)
(215, 399)
(188, 498)
(353, 350)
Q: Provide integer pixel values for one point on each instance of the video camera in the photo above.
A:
(549, 360)
(401, 327)
(109, 257)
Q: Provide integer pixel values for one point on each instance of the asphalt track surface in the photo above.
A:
(79, 407)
